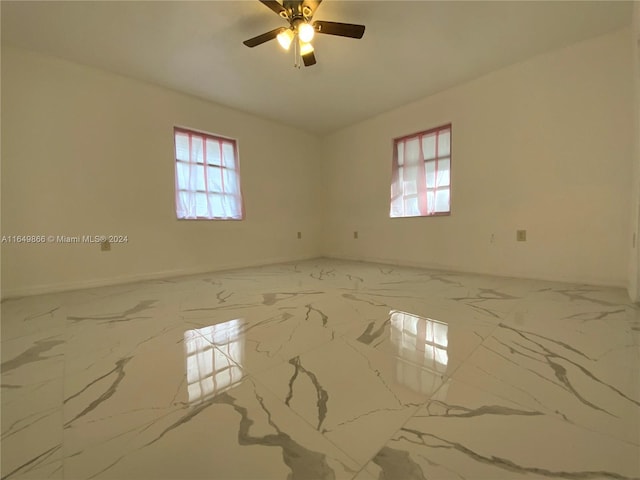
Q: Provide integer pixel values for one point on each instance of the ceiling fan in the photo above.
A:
(301, 30)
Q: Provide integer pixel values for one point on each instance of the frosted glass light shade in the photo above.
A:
(285, 38)
(305, 32)
(305, 48)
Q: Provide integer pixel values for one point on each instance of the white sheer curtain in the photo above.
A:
(207, 176)
(421, 181)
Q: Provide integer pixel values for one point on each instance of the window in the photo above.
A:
(421, 181)
(207, 176)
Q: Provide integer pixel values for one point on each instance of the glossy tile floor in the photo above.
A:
(320, 370)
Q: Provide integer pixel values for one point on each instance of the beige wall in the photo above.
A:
(634, 257)
(89, 152)
(544, 145)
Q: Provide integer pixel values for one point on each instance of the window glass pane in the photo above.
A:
(196, 149)
(184, 204)
(444, 143)
(409, 188)
(213, 152)
(396, 207)
(411, 151)
(201, 205)
(411, 206)
(182, 146)
(231, 206)
(228, 155)
(230, 181)
(444, 166)
(429, 146)
(216, 205)
(442, 201)
(400, 150)
(182, 175)
(410, 174)
(430, 168)
(430, 201)
(198, 181)
(214, 178)
(396, 190)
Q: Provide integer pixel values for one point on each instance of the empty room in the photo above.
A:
(305, 239)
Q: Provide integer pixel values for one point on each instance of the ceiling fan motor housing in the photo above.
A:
(295, 8)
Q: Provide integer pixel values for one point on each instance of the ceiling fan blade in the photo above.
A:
(309, 59)
(273, 5)
(341, 29)
(265, 37)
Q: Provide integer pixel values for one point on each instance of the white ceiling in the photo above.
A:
(409, 50)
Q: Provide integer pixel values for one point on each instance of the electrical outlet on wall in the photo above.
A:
(355, 235)
(299, 235)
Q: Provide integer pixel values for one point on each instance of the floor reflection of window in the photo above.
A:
(212, 370)
(422, 347)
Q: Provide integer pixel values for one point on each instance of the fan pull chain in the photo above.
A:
(296, 52)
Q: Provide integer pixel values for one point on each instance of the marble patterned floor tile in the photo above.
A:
(435, 306)
(365, 474)
(31, 442)
(425, 342)
(351, 393)
(588, 380)
(243, 432)
(236, 339)
(464, 432)
(581, 294)
(312, 369)
(493, 302)
(284, 332)
(32, 359)
(31, 378)
(30, 320)
(531, 312)
(127, 423)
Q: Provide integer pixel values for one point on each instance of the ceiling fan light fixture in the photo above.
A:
(285, 38)
(302, 28)
(305, 48)
(305, 32)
